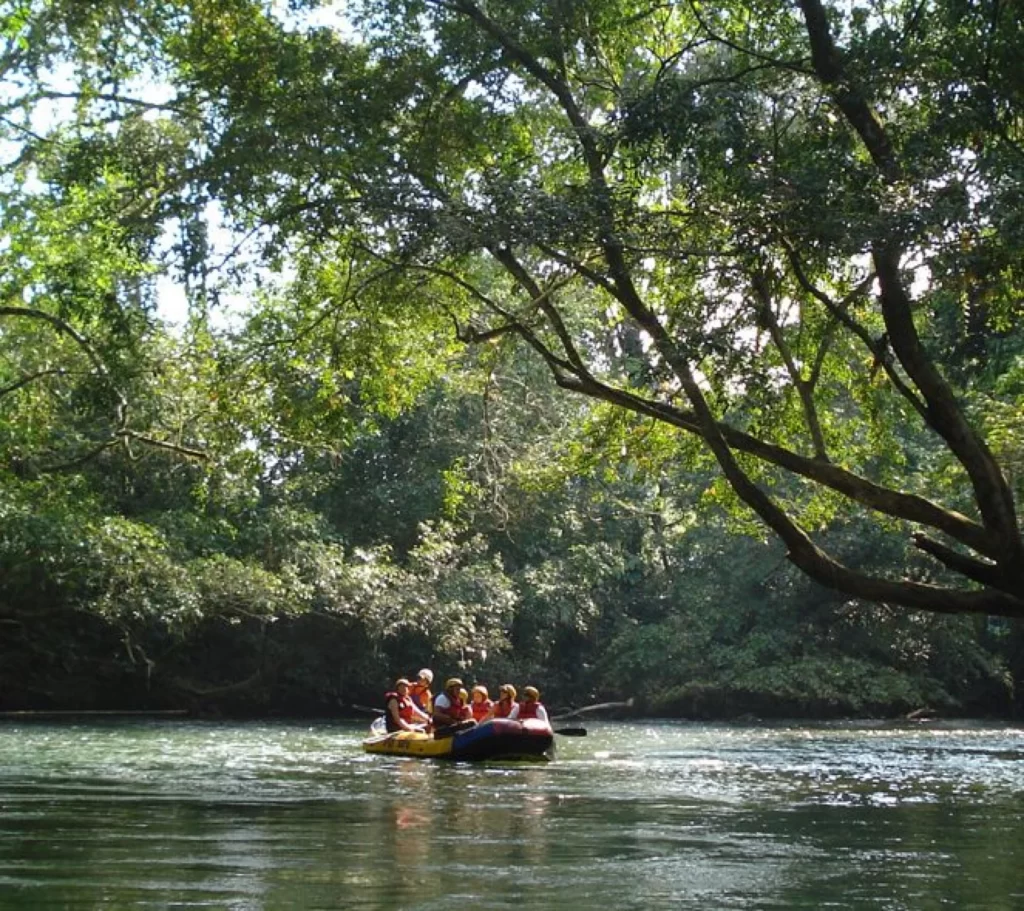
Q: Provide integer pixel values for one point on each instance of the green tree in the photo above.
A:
(743, 223)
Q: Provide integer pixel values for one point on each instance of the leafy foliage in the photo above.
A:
(533, 337)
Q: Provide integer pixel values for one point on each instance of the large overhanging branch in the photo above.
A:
(918, 595)
(896, 504)
(122, 437)
(983, 572)
(109, 97)
(802, 550)
(992, 493)
(572, 374)
(810, 558)
(30, 378)
(165, 445)
(1003, 599)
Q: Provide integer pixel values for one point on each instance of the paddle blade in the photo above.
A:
(571, 732)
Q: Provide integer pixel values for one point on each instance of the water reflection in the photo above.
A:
(633, 816)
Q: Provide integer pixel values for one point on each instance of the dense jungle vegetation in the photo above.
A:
(636, 349)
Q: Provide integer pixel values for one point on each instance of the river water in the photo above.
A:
(633, 816)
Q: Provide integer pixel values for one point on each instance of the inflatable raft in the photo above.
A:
(497, 739)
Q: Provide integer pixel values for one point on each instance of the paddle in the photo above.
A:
(571, 732)
(449, 729)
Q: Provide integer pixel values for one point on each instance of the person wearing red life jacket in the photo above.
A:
(400, 714)
(506, 702)
(420, 693)
(481, 704)
(448, 707)
(530, 707)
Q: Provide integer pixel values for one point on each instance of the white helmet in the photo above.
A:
(426, 674)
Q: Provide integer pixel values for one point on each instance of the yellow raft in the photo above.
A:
(497, 739)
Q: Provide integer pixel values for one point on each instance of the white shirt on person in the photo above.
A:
(443, 704)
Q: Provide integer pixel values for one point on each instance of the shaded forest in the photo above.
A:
(634, 350)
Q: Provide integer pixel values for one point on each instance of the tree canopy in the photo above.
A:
(780, 240)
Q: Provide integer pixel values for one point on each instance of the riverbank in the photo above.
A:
(66, 662)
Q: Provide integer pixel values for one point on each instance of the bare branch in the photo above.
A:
(165, 445)
(115, 99)
(31, 378)
(793, 66)
(79, 461)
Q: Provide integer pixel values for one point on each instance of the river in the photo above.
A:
(258, 816)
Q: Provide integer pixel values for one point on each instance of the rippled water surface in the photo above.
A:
(644, 816)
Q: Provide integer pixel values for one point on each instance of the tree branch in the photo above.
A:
(760, 285)
(878, 347)
(67, 329)
(114, 98)
(31, 378)
(165, 445)
(746, 51)
(986, 573)
(943, 414)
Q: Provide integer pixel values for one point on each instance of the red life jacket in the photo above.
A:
(480, 709)
(455, 710)
(528, 709)
(503, 709)
(404, 710)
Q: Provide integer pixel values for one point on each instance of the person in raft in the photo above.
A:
(400, 713)
(420, 693)
(530, 707)
(506, 702)
(448, 707)
(481, 704)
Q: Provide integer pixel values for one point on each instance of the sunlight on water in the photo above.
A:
(651, 815)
